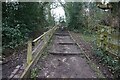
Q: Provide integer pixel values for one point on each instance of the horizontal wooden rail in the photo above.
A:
(30, 62)
(42, 35)
(39, 37)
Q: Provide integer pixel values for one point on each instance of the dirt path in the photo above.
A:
(10, 63)
(89, 51)
(65, 60)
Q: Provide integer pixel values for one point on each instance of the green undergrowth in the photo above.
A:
(105, 58)
(85, 35)
(88, 38)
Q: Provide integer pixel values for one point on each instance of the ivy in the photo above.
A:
(20, 21)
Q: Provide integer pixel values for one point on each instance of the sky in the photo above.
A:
(58, 12)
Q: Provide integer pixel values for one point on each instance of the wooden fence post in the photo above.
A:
(36, 44)
(50, 33)
(44, 39)
(29, 52)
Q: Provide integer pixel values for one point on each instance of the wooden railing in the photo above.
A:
(33, 55)
(108, 41)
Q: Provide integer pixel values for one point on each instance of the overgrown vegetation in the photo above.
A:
(24, 20)
(101, 24)
(106, 59)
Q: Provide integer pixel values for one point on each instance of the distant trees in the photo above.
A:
(77, 15)
(73, 13)
(103, 24)
(86, 16)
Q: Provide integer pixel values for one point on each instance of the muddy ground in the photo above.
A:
(58, 65)
(88, 49)
(10, 63)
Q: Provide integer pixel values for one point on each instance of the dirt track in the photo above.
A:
(58, 65)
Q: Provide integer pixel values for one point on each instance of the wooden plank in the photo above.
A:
(15, 71)
(27, 70)
(66, 43)
(65, 53)
(46, 34)
(79, 46)
(43, 34)
(39, 37)
(61, 34)
(29, 52)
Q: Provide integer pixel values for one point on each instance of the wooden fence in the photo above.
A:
(33, 55)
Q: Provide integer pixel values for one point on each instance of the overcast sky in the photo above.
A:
(59, 11)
